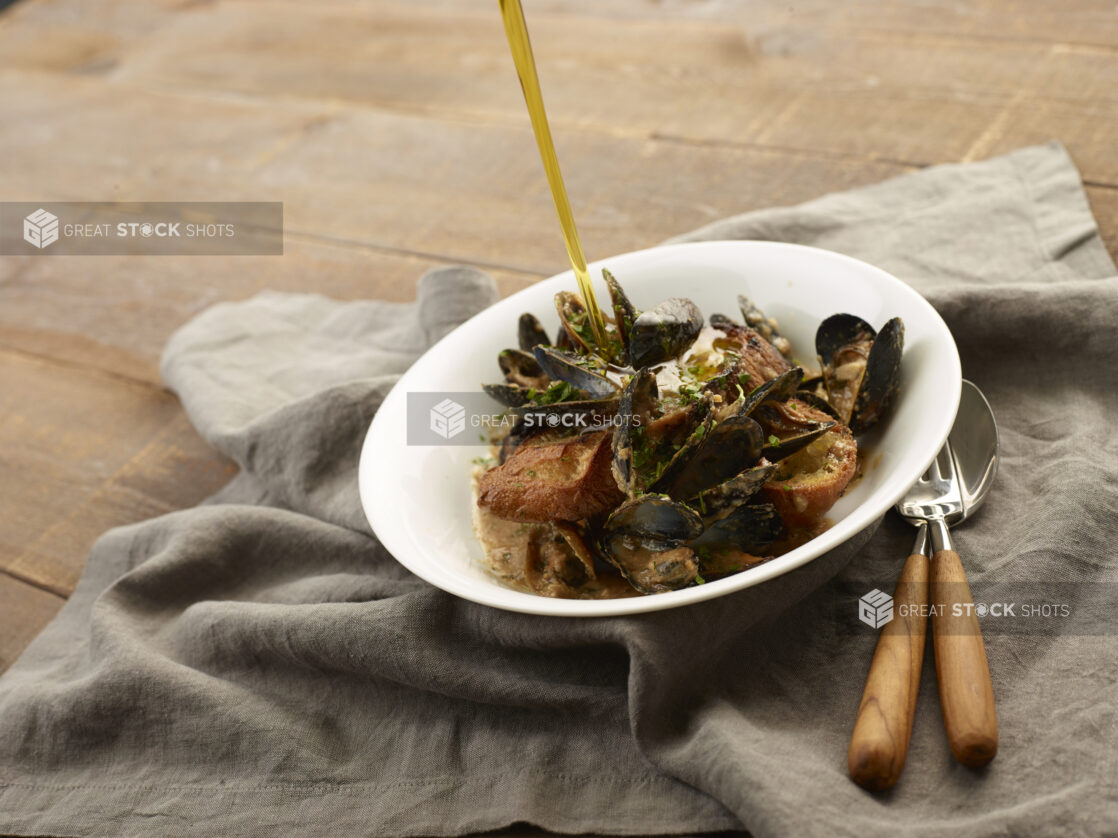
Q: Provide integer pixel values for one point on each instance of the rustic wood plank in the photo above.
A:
(81, 452)
(24, 611)
(120, 319)
(710, 79)
(1104, 206)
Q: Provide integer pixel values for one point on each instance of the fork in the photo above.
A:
(879, 743)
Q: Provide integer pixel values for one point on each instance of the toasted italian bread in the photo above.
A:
(557, 480)
(807, 483)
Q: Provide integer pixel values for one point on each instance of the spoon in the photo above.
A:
(949, 492)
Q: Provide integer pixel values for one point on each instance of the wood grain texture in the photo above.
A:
(883, 728)
(966, 694)
(82, 452)
(24, 611)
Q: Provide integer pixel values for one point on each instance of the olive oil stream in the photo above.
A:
(521, 47)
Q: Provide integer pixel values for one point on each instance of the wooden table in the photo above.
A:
(396, 136)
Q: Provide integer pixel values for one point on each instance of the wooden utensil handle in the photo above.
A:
(965, 692)
(879, 744)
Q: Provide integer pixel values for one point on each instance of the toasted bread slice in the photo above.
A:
(807, 483)
(553, 480)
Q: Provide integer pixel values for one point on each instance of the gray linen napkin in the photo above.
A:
(261, 662)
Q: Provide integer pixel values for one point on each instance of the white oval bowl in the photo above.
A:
(419, 498)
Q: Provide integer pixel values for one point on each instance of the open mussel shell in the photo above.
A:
(781, 388)
(575, 370)
(522, 369)
(712, 455)
(861, 367)
(734, 492)
(637, 400)
(664, 332)
(644, 539)
(624, 312)
(575, 320)
(750, 528)
(531, 333)
(507, 394)
(791, 425)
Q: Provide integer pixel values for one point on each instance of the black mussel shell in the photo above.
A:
(718, 454)
(883, 375)
(791, 444)
(861, 368)
(624, 313)
(643, 539)
(750, 528)
(530, 333)
(734, 492)
(637, 400)
(786, 422)
(781, 388)
(664, 332)
(507, 394)
(522, 369)
(655, 520)
(575, 370)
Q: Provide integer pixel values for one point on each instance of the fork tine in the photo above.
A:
(934, 470)
(945, 465)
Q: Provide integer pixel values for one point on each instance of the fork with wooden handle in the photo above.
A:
(879, 744)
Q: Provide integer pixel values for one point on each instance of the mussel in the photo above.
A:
(522, 369)
(624, 313)
(861, 367)
(530, 333)
(635, 414)
(734, 492)
(509, 395)
(575, 321)
(664, 332)
(713, 454)
(738, 538)
(644, 539)
(577, 370)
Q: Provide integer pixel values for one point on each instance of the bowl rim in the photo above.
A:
(505, 598)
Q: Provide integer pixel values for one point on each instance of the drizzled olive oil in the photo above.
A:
(521, 47)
